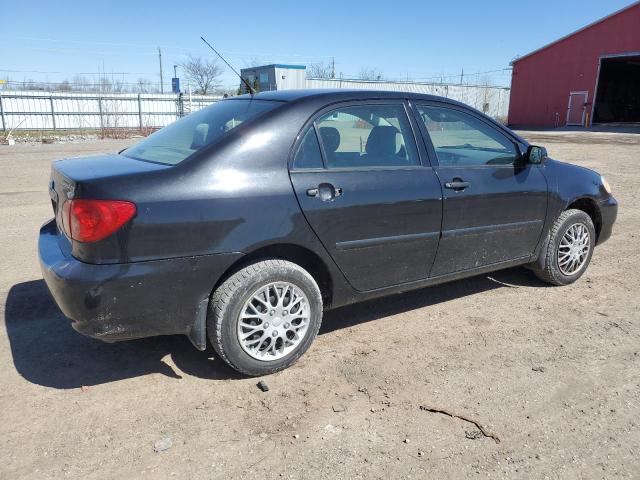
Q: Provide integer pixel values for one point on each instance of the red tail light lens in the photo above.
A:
(93, 220)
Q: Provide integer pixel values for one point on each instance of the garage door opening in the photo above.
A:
(618, 94)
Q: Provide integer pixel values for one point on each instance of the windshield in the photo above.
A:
(173, 143)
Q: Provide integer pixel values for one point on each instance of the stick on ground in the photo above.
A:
(484, 432)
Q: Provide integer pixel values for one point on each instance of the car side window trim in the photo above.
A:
(424, 157)
(407, 134)
(429, 143)
(323, 154)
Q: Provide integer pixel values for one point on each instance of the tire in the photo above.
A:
(267, 280)
(553, 272)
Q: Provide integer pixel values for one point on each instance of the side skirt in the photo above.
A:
(450, 277)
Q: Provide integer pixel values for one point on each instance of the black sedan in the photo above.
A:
(243, 221)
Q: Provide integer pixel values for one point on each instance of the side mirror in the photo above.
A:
(536, 155)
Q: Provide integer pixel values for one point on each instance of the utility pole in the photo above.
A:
(461, 75)
(160, 60)
(333, 67)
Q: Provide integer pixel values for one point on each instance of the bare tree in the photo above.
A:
(105, 84)
(204, 74)
(253, 62)
(64, 86)
(320, 70)
(79, 83)
(144, 85)
(368, 73)
(31, 84)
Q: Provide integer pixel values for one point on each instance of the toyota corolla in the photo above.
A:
(242, 222)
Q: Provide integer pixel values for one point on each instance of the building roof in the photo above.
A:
(603, 19)
(278, 65)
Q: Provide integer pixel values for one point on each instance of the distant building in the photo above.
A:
(593, 73)
(274, 77)
(491, 100)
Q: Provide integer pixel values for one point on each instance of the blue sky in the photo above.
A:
(53, 40)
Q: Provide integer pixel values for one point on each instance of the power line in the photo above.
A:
(81, 85)
(456, 75)
(434, 78)
(165, 47)
(75, 73)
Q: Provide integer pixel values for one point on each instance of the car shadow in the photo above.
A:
(48, 352)
(370, 310)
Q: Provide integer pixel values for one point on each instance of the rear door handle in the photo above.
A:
(325, 192)
(457, 184)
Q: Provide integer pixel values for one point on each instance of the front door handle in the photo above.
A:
(325, 192)
(457, 184)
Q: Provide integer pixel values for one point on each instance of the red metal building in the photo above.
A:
(590, 75)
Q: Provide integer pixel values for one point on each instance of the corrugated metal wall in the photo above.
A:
(494, 101)
(290, 78)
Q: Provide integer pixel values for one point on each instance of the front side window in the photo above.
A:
(367, 136)
(173, 143)
(460, 139)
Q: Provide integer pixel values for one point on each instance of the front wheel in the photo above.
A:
(571, 243)
(265, 316)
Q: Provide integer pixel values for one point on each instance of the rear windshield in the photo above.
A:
(173, 143)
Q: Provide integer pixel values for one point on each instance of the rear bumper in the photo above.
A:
(609, 213)
(131, 300)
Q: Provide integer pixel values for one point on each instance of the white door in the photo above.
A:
(576, 110)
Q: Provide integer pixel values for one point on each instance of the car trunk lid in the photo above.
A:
(87, 177)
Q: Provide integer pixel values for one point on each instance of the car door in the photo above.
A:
(361, 185)
(494, 204)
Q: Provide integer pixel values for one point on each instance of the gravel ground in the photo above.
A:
(553, 372)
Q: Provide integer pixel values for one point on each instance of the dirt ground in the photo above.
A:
(553, 372)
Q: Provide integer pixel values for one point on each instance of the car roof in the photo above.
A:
(339, 94)
(328, 96)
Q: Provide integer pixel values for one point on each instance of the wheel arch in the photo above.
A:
(585, 204)
(590, 207)
(302, 256)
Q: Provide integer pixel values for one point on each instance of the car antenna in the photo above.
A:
(251, 90)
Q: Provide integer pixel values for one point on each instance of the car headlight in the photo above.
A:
(606, 185)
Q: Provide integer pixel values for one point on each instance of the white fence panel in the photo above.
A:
(79, 111)
(34, 110)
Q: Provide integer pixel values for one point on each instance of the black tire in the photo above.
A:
(551, 273)
(229, 299)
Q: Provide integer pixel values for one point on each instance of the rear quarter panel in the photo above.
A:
(234, 197)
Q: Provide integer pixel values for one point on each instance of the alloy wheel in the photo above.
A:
(273, 321)
(573, 249)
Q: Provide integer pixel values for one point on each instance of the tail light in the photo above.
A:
(93, 220)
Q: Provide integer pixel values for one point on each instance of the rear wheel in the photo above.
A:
(571, 244)
(265, 316)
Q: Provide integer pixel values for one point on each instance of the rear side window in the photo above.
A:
(460, 139)
(173, 143)
(308, 154)
(367, 136)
